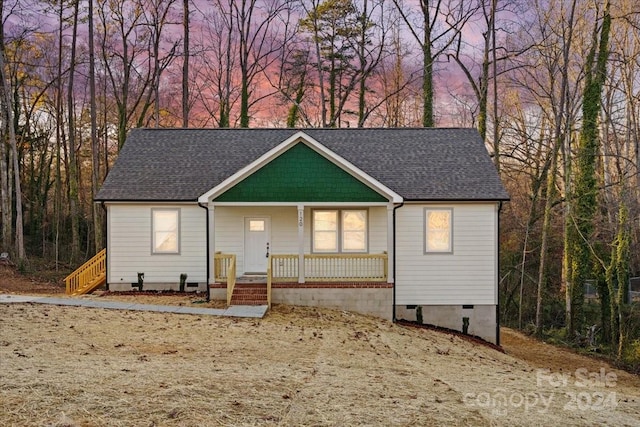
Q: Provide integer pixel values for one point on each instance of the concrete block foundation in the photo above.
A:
(371, 301)
(125, 287)
(482, 318)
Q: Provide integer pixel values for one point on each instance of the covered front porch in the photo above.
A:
(309, 222)
(278, 247)
(302, 243)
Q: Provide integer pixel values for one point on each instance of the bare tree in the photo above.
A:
(583, 193)
(397, 80)
(185, 63)
(560, 132)
(490, 12)
(156, 19)
(215, 85)
(73, 173)
(10, 126)
(125, 39)
(437, 28)
(258, 44)
(98, 216)
(372, 21)
(5, 190)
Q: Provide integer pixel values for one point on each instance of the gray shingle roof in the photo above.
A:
(417, 163)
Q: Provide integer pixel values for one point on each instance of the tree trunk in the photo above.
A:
(73, 164)
(584, 195)
(496, 122)
(546, 229)
(185, 64)
(95, 144)
(19, 232)
(5, 192)
(558, 137)
(427, 83)
(5, 205)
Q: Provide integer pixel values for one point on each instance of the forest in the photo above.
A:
(553, 87)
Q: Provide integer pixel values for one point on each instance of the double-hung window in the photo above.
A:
(438, 230)
(340, 230)
(165, 230)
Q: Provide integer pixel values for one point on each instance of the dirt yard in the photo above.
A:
(68, 366)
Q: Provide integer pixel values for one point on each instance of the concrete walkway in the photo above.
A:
(252, 311)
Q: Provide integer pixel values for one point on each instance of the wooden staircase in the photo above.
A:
(89, 276)
(249, 294)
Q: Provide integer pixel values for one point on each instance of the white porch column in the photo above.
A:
(390, 234)
(300, 243)
(212, 242)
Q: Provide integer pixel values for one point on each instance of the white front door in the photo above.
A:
(256, 244)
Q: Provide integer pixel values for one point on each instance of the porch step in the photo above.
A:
(251, 280)
(254, 294)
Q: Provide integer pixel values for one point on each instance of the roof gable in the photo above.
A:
(333, 168)
(299, 174)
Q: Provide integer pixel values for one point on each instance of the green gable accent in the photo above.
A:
(300, 175)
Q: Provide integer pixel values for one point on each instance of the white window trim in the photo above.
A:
(340, 231)
(153, 231)
(313, 231)
(425, 233)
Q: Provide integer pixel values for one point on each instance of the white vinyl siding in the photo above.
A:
(130, 245)
(466, 276)
(378, 230)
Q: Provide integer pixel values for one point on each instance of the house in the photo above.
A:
(396, 223)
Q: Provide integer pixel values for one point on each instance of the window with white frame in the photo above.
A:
(340, 230)
(165, 230)
(438, 230)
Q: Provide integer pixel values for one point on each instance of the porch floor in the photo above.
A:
(251, 279)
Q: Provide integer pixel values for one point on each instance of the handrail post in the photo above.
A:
(385, 260)
(231, 278)
(269, 283)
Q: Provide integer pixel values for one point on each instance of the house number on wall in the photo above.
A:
(300, 218)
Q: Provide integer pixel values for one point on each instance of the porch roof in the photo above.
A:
(426, 164)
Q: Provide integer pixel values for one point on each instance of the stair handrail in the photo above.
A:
(269, 278)
(231, 278)
(88, 271)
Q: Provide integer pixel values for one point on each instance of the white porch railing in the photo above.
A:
(331, 268)
(284, 268)
(317, 268)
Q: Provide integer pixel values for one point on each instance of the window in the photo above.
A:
(325, 231)
(256, 225)
(438, 231)
(165, 225)
(354, 231)
(340, 230)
